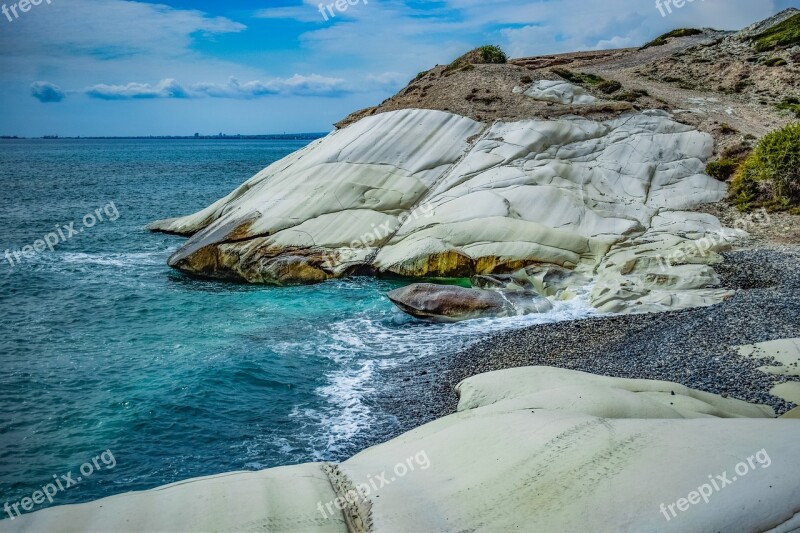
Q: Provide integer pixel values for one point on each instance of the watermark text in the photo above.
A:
(104, 461)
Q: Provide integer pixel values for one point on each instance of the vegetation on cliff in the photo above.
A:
(770, 176)
(664, 39)
(790, 104)
(782, 35)
(484, 55)
(579, 78)
(722, 169)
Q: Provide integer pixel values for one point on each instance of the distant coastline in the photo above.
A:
(273, 137)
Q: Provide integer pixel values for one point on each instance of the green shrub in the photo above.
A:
(609, 86)
(782, 35)
(631, 96)
(492, 54)
(663, 39)
(578, 77)
(722, 169)
(741, 85)
(790, 104)
(775, 62)
(770, 176)
(457, 66)
(739, 151)
(480, 56)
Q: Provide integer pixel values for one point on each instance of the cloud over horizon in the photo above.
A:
(169, 88)
(155, 53)
(47, 92)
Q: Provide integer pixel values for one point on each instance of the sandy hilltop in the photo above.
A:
(611, 176)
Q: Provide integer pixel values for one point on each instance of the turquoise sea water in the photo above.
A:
(103, 347)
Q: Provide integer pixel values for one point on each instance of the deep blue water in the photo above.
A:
(103, 347)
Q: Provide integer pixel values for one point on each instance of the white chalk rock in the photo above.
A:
(786, 353)
(424, 193)
(560, 92)
(562, 390)
(278, 500)
(531, 449)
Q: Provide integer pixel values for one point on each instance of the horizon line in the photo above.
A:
(194, 136)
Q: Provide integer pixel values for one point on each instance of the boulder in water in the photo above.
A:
(447, 303)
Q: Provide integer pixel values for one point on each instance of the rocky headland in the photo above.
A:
(481, 168)
(597, 175)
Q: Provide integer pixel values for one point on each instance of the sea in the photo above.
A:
(106, 350)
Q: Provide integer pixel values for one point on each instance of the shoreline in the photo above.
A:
(694, 347)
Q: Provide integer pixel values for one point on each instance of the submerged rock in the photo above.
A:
(447, 303)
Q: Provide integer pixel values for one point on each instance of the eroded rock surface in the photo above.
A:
(531, 449)
(423, 193)
(559, 92)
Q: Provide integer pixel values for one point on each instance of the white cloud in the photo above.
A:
(47, 92)
(615, 42)
(574, 25)
(363, 56)
(387, 80)
(90, 27)
(297, 85)
(304, 13)
(309, 85)
(168, 88)
(75, 40)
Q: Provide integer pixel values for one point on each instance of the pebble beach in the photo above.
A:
(696, 347)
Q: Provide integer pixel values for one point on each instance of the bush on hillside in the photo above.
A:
(578, 78)
(770, 176)
(664, 39)
(491, 54)
(484, 55)
(775, 62)
(609, 86)
(630, 96)
(722, 169)
(783, 35)
(791, 104)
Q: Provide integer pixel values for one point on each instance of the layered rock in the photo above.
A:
(531, 449)
(423, 193)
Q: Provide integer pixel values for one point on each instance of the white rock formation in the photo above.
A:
(580, 392)
(531, 449)
(786, 352)
(559, 92)
(426, 193)
(279, 499)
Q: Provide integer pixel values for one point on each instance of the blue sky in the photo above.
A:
(121, 67)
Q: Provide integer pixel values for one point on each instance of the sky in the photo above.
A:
(176, 67)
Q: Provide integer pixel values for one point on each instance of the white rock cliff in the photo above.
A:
(424, 193)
